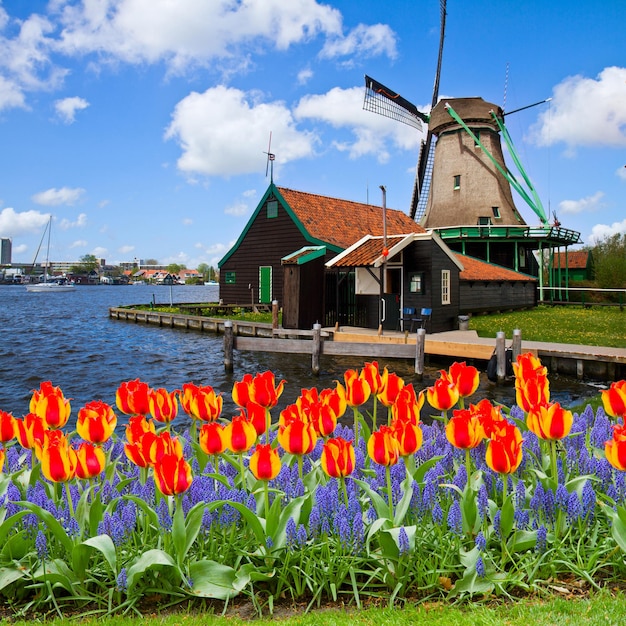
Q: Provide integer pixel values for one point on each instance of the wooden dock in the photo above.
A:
(593, 362)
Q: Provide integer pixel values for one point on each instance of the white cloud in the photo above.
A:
(587, 205)
(224, 132)
(125, 249)
(99, 252)
(13, 224)
(187, 221)
(66, 109)
(363, 41)
(20, 249)
(237, 209)
(586, 112)
(79, 243)
(138, 31)
(80, 222)
(305, 75)
(602, 231)
(343, 108)
(621, 172)
(55, 197)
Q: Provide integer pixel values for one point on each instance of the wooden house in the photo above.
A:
(571, 266)
(419, 273)
(286, 242)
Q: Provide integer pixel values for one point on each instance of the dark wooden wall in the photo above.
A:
(483, 297)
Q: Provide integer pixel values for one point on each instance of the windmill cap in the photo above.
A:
(473, 111)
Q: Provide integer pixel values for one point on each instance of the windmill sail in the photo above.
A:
(382, 100)
(421, 187)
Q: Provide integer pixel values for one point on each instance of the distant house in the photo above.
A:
(293, 233)
(579, 264)
(485, 287)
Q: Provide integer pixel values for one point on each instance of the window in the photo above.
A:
(484, 221)
(229, 278)
(457, 181)
(445, 286)
(416, 283)
(476, 143)
(272, 208)
(496, 212)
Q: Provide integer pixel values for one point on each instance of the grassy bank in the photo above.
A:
(597, 326)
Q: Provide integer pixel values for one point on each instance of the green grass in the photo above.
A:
(596, 326)
(599, 608)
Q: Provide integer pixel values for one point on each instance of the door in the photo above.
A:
(265, 284)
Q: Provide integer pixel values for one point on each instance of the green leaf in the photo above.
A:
(405, 502)
(211, 579)
(507, 517)
(389, 542)
(8, 575)
(83, 551)
(179, 533)
(380, 505)
(147, 561)
(522, 540)
(292, 510)
(420, 471)
(57, 573)
(52, 523)
(618, 527)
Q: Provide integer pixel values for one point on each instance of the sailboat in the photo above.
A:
(49, 285)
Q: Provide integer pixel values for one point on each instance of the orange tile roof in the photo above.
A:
(367, 253)
(475, 269)
(576, 259)
(343, 222)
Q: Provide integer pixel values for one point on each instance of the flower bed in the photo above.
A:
(344, 495)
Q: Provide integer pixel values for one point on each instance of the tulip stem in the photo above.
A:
(266, 496)
(68, 493)
(374, 414)
(343, 488)
(242, 471)
(300, 466)
(356, 425)
(268, 422)
(468, 465)
(389, 491)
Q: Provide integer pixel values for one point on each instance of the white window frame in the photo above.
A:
(445, 286)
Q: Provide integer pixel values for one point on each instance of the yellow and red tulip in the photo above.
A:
(372, 375)
(90, 461)
(2, 457)
(464, 430)
(96, 422)
(443, 395)
(240, 434)
(531, 382)
(408, 434)
(8, 427)
(241, 391)
(408, 405)
(391, 385)
(614, 399)
(212, 438)
(51, 405)
(382, 447)
(335, 399)
(490, 416)
(161, 445)
(504, 450)
(172, 475)
(550, 421)
(265, 462)
(338, 457)
(264, 391)
(615, 448)
(138, 452)
(201, 402)
(297, 436)
(163, 405)
(137, 427)
(57, 458)
(132, 396)
(465, 378)
(30, 430)
(357, 389)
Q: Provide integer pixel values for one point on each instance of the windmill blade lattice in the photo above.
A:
(382, 100)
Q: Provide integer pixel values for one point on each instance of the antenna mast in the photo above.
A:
(270, 160)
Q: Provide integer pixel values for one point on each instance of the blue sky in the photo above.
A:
(142, 125)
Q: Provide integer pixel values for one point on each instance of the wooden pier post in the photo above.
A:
(516, 346)
(420, 344)
(274, 314)
(317, 349)
(229, 344)
(500, 356)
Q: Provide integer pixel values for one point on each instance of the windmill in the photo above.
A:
(270, 160)
(462, 186)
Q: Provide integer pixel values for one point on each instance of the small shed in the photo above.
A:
(576, 265)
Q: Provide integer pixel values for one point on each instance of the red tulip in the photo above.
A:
(408, 405)
(2, 457)
(464, 430)
(8, 427)
(264, 390)
(465, 378)
(614, 399)
(240, 434)
(241, 391)
(549, 421)
(382, 447)
(137, 452)
(90, 461)
(531, 382)
(265, 462)
(338, 458)
(161, 445)
(335, 399)
(51, 405)
(163, 405)
(201, 402)
(172, 475)
(212, 438)
(132, 396)
(373, 377)
(137, 427)
(490, 417)
(504, 450)
(96, 422)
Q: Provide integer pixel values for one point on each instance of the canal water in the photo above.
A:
(68, 339)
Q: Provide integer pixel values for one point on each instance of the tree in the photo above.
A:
(174, 268)
(151, 262)
(86, 264)
(609, 260)
(203, 270)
